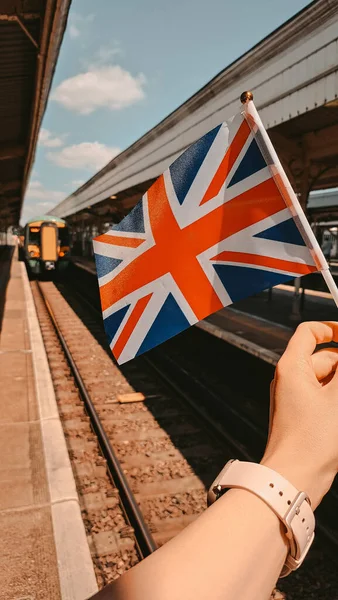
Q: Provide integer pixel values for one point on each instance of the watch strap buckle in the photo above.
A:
(294, 508)
(291, 563)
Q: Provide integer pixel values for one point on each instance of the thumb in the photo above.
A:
(331, 382)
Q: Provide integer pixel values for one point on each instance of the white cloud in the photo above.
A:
(78, 23)
(37, 191)
(30, 211)
(105, 54)
(87, 155)
(74, 183)
(110, 86)
(74, 32)
(81, 19)
(46, 138)
(103, 57)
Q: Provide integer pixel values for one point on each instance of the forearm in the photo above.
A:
(235, 550)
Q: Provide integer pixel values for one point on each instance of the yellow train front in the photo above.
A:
(46, 245)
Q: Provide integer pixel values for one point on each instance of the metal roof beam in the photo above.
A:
(25, 16)
(25, 30)
(14, 151)
(9, 200)
(10, 186)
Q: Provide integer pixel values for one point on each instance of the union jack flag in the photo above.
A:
(214, 228)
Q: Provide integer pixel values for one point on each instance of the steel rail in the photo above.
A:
(144, 539)
(214, 427)
(201, 415)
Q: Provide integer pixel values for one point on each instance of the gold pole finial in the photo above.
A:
(246, 97)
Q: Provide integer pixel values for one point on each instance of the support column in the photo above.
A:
(83, 235)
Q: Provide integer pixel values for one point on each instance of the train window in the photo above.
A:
(63, 237)
(34, 235)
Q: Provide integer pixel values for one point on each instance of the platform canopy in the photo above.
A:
(293, 74)
(323, 206)
(31, 32)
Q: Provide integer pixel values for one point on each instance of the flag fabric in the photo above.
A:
(213, 229)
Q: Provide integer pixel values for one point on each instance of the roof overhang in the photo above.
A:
(31, 33)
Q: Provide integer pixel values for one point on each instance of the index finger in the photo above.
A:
(308, 335)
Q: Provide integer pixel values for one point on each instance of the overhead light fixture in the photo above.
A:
(89, 206)
(113, 197)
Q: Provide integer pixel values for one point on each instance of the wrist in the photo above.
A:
(305, 475)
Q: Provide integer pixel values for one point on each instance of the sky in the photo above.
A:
(124, 66)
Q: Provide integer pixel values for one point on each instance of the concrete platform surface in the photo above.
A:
(44, 553)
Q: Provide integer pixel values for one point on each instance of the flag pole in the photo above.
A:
(253, 119)
(331, 284)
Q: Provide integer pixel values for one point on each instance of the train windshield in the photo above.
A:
(63, 236)
(34, 235)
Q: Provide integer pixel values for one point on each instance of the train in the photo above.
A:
(46, 245)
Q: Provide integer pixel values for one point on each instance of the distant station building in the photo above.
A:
(31, 33)
(323, 206)
(323, 213)
(293, 74)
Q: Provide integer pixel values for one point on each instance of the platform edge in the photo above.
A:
(75, 565)
(235, 340)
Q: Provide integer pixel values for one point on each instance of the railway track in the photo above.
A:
(240, 401)
(168, 451)
(136, 444)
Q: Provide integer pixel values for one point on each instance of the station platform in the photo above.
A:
(263, 324)
(44, 554)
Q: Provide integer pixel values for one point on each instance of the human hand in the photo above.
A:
(303, 439)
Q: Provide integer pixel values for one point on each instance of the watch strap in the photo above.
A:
(291, 506)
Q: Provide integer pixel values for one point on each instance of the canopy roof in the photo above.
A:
(31, 33)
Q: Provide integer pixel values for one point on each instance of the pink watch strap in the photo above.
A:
(291, 506)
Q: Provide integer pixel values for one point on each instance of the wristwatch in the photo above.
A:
(291, 506)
